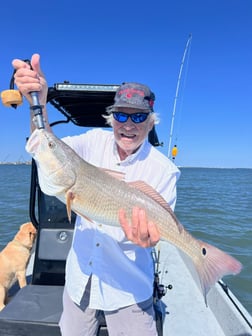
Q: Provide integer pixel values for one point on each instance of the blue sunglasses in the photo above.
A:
(137, 118)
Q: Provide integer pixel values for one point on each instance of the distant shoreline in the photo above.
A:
(28, 163)
(15, 163)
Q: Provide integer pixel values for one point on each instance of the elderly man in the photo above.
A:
(110, 268)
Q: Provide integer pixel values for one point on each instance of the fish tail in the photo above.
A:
(214, 265)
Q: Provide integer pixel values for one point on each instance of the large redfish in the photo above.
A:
(97, 195)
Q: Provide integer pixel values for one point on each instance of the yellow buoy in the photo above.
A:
(174, 152)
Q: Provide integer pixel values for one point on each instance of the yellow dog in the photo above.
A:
(14, 259)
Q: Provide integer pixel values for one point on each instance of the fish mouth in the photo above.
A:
(31, 147)
(32, 144)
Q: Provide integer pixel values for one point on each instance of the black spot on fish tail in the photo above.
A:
(204, 251)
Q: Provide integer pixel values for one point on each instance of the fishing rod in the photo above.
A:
(36, 108)
(13, 98)
(174, 151)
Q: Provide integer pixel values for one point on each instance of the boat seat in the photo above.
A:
(29, 313)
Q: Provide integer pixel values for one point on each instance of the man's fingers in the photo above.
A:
(35, 63)
(143, 226)
(138, 229)
(126, 226)
(135, 223)
(17, 64)
(154, 233)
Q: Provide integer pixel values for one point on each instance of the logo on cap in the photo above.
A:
(134, 95)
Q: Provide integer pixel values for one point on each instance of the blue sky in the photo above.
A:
(143, 41)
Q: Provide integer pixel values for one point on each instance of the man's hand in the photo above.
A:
(28, 80)
(140, 231)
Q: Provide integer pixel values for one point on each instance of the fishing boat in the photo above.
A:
(179, 304)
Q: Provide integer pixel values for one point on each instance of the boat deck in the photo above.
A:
(184, 307)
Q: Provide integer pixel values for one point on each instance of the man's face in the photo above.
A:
(129, 135)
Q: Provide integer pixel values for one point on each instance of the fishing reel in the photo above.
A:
(12, 97)
(159, 290)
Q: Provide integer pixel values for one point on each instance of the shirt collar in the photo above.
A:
(129, 159)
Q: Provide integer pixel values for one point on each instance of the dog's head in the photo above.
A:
(26, 234)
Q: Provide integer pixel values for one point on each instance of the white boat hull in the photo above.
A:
(184, 308)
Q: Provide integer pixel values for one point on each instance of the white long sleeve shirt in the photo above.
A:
(122, 272)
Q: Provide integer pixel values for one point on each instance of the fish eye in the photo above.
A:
(51, 144)
(204, 252)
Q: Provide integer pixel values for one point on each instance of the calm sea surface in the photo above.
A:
(215, 205)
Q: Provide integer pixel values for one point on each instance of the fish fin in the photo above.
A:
(69, 200)
(152, 193)
(87, 218)
(117, 175)
(215, 264)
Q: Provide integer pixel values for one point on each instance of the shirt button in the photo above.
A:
(90, 263)
(97, 244)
